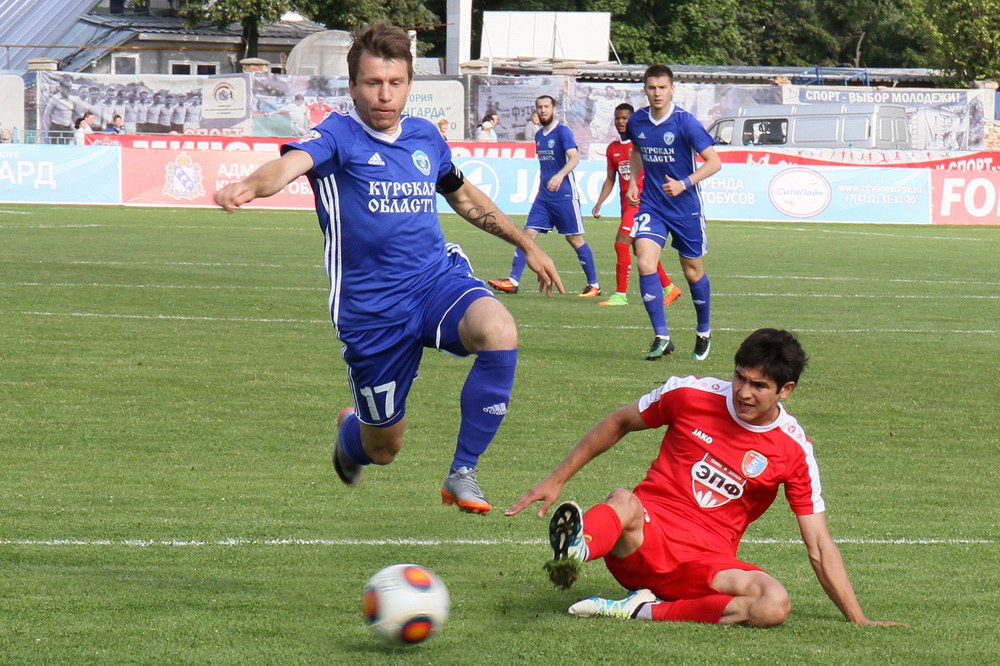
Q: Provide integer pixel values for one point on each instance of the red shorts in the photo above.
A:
(627, 226)
(671, 571)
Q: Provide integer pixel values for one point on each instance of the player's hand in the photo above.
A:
(554, 183)
(597, 211)
(545, 491)
(545, 269)
(234, 195)
(632, 195)
(672, 187)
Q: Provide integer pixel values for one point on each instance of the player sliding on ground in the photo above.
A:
(672, 542)
(396, 287)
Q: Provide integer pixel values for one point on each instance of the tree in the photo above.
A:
(421, 15)
(249, 14)
(969, 42)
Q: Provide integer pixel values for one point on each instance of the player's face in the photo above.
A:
(545, 110)
(621, 120)
(756, 396)
(659, 91)
(380, 91)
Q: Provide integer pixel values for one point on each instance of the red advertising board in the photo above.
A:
(965, 197)
(259, 144)
(191, 178)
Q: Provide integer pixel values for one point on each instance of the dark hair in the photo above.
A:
(548, 97)
(382, 41)
(656, 71)
(625, 106)
(776, 352)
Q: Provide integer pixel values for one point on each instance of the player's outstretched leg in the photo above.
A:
(625, 609)
(569, 550)
(348, 426)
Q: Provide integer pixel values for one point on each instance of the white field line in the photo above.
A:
(235, 542)
(526, 326)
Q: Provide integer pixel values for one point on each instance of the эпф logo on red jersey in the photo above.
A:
(714, 483)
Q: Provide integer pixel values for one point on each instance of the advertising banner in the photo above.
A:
(966, 198)
(259, 144)
(909, 159)
(151, 104)
(191, 178)
(59, 174)
(820, 194)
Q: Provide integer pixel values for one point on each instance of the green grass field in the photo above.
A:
(169, 383)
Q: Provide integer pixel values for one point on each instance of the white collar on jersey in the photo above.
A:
(667, 115)
(388, 138)
(546, 131)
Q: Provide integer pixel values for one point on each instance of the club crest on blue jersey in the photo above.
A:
(754, 463)
(552, 143)
(311, 135)
(422, 162)
(668, 138)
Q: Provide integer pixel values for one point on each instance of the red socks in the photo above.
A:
(623, 266)
(601, 529)
(706, 609)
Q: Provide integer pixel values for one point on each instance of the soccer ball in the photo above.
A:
(406, 603)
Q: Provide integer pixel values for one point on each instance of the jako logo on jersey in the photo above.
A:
(376, 160)
(668, 138)
(714, 484)
(498, 409)
(422, 162)
(754, 463)
(702, 436)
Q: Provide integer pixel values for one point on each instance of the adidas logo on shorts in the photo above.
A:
(498, 409)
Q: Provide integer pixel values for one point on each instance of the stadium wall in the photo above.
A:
(766, 186)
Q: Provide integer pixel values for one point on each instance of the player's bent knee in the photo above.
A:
(771, 610)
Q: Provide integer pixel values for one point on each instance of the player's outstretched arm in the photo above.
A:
(265, 181)
(828, 563)
(608, 432)
(478, 209)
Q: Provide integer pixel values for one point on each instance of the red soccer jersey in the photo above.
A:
(716, 474)
(618, 155)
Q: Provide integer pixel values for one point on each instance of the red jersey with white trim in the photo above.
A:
(618, 155)
(715, 474)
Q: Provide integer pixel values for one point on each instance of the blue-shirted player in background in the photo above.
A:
(395, 285)
(557, 204)
(666, 139)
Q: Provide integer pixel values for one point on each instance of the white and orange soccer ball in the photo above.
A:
(406, 603)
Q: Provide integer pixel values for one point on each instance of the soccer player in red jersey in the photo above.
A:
(618, 155)
(673, 540)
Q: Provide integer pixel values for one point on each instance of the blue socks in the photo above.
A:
(652, 298)
(586, 257)
(517, 266)
(701, 297)
(484, 402)
(350, 440)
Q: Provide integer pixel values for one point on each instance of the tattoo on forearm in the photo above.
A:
(487, 221)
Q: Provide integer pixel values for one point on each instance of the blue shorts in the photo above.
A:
(563, 215)
(688, 235)
(382, 362)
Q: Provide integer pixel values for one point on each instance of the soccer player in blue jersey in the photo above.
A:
(666, 139)
(395, 285)
(557, 204)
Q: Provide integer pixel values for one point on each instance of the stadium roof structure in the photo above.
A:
(68, 31)
(748, 74)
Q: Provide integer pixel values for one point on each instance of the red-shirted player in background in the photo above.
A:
(673, 540)
(618, 163)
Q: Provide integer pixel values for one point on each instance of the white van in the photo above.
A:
(876, 126)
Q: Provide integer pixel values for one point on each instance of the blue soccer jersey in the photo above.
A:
(376, 203)
(551, 147)
(668, 148)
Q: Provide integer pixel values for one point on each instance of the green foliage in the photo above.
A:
(969, 39)
(170, 383)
